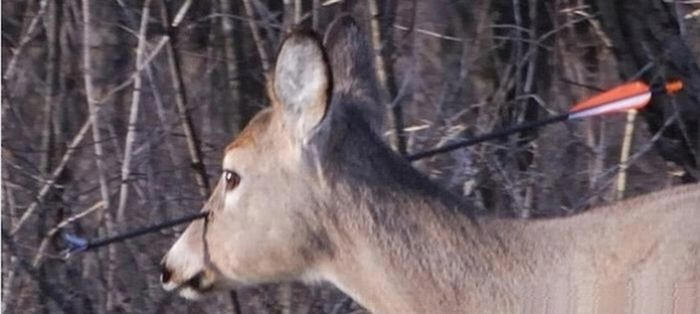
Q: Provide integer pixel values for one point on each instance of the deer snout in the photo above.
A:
(191, 287)
(169, 278)
(177, 273)
(165, 273)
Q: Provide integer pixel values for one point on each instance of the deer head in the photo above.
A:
(265, 211)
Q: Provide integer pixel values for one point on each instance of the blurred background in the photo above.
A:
(169, 83)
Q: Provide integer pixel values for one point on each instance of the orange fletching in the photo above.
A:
(674, 86)
(618, 93)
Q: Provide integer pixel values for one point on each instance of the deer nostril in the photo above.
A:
(196, 281)
(165, 273)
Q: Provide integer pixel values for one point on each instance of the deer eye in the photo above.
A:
(232, 179)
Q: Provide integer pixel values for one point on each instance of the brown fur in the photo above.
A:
(248, 135)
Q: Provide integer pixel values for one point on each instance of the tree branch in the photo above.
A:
(26, 38)
(383, 50)
(262, 51)
(193, 145)
(133, 115)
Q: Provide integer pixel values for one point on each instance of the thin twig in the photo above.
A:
(297, 11)
(97, 139)
(161, 43)
(146, 62)
(11, 270)
(51, 181)
(262, 51)
(624, 154)
(52, 26)
(92, 107)
(157, 99)
(383, 49)
(232, 71)
(429, 33)
(315, 14)
(133, 114)
(180, 15)
(266, 23)
(193, 144)
(26, 38)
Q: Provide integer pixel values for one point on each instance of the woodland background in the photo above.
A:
(170, 82)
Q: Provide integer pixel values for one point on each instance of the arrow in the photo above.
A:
(633, 95)
(628, 96)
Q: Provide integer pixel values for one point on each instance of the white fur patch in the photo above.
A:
(168, 286)
(190, 294)
(311, 277)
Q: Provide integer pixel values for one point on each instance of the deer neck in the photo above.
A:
(393, 229)
(388, 254)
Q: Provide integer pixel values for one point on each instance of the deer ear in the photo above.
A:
(351, 63)
(301, 83)
(350, 55)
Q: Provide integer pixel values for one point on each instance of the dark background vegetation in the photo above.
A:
(165, 106)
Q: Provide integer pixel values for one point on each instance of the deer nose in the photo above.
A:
(196, 282)
(199, 282)
(165, 273)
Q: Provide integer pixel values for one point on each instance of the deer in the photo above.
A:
(310, 192)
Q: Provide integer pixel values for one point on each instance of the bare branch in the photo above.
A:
(133, 115)
(90, 93)
(11, 270)
(383, 50)
(315, 12)
(232, 71)
(157, 99)
(51, 181)
(429, 33)
(297, 11)
(193, 145)
(161, 43)
(625, 154)
(92, 108)
(180, 15)
(262, 51)
(52, 21)
(26, 38)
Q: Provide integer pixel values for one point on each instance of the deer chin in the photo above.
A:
(190, 294)
(197, 286)
(199, 292)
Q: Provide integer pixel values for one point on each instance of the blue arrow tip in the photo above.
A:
(75, 243)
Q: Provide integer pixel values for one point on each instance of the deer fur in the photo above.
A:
(322, 198)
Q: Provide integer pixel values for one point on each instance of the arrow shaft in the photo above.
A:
(488, 137)
(138, 232)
